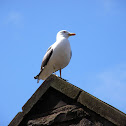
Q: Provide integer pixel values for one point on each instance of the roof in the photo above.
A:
(103, 109)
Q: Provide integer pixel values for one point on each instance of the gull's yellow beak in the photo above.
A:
(71, 34)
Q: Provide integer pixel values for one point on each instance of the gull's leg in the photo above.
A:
(60, 72)
(54, 69)
(60, 75)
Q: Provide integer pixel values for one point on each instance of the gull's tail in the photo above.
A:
(37, 77)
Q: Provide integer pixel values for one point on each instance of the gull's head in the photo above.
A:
(64, 33)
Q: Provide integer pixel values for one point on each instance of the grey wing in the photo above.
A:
(47, 57)
(49, 48)
(70, 54)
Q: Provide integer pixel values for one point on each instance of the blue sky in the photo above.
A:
(98, 64)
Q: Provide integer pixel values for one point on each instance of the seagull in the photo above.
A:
(57, 56)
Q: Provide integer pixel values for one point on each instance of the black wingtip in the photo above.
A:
(36, 77)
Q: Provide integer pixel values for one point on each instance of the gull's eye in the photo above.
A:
(64, 31)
